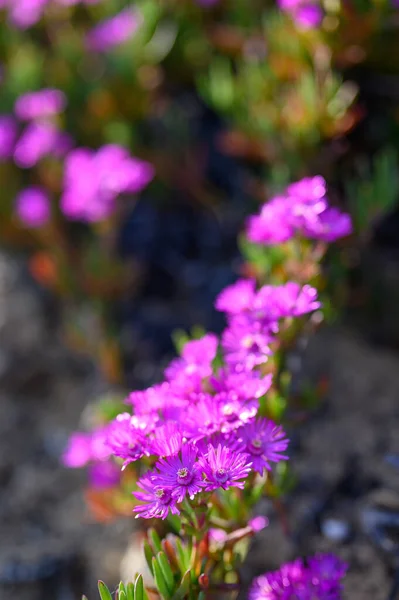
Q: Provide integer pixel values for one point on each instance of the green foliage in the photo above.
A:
(375, 190)
(104, 592)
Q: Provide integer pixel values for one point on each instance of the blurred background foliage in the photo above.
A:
(229, 100)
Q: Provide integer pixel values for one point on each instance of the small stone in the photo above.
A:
(335, 530)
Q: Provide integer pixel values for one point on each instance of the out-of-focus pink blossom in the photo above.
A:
(303, 209)
(33, 206)
(43, 103)
(104, 474)
(39, 140)
(93, 180)
(74, 2)
(8, 134)
(25, 13)
(114, 31)
(306, 14)
(258, 523)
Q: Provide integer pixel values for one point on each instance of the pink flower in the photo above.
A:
(33, 206)
(94, 179)
(37, 141)
(303, 209)
(319, 578)
(224, 468)
(8, 134)
(179, 474)
(43, 103)
(114, 31)
(264, 442)
(237, 297)
(158, 501)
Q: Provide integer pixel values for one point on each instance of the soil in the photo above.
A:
(50, 547)
(344, 477)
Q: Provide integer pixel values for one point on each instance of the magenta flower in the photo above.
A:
(309, 189)
(303, 209)
(306, 14)
(235, 411)
(258, 523)
(39, 140)
(331, 225)
(74, 2)
(151, 400)
(236, 298)
(103, 475)
(245, 385)
(224, 468)
(166, 440)
(78, 451)
(261, 310)
(158, 501)
(93, 180)
(186, 374)
(273, 303)
(321, 579)
(43, 103)
(83, 448)
(179, 474)
(114, 31)
(125, 439)
(25, 13)
(265, 442)
(273, 225)
(246, 344)
(202, 418)
(33, 207)
(8, 134)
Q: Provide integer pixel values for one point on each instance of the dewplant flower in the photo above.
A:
(224, 468)
(318, 577)
(201, 443)
(40, 104)
(94, 179)
(114, 31)
(304, 210)
(33, 207)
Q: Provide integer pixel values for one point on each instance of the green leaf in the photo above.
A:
(122, 595)
(121, 587)
(104, 592)
(166, 570)
(180, 338)
(154, 540)
(139, 591)
(149, 555)
(184, 587)
(174, 522)
(130, 591)
(84, 597)
(181, 555)
(160, 580)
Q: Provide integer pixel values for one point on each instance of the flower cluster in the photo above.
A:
(107, 34)
(319, 577)
(203, 430)
(200, 426)
(93, 180)
(26, 13)
(306, 14)
(200, 429)
(302, 210)
(114, 31)
(254, 317)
